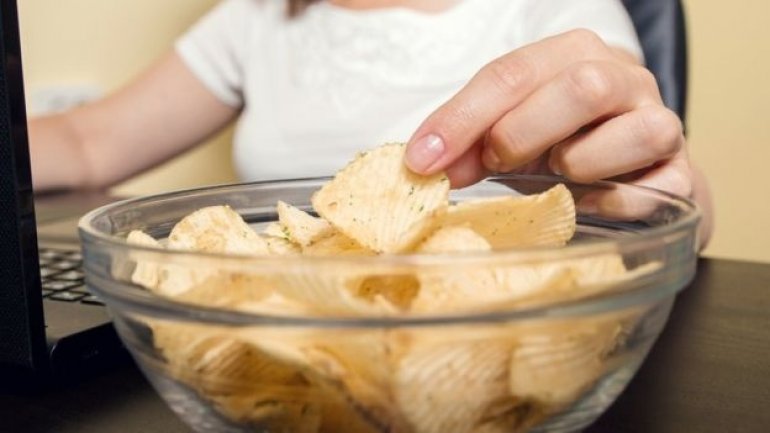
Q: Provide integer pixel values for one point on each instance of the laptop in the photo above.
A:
(50, 326)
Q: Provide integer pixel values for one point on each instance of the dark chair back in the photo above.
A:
(661, 27)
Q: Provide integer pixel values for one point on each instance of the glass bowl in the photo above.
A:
(548, 366)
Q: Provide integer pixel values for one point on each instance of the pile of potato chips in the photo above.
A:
(427, 378)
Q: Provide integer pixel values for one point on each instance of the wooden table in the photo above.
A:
(709, 372)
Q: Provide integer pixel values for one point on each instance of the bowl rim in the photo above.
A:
(639, 241)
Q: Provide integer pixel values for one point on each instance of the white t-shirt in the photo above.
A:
(317, 88)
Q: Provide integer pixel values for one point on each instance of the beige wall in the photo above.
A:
(730, 119)
(106, 42)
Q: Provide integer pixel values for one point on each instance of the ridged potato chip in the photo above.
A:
(275, 229)
(336, 244)
(398, 290)
(556, 364)
(449, 386)
(352, 362)
(377, 201)
(252, 386)
(454, 239)
(490, 285)
(281, 246)
(213, 229)
(166, 279)
(146, 273)
(215, 362)
(268, 410)
(511, 414)
(358, 362)
(301, 227)
(331, 291)
(582, 277)
(216, 229)
(546, 219)
(227, 290)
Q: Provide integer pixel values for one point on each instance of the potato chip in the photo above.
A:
(146, 273)
(242, 382)
(337, 244)
(301, 227)
(166, 279)
(398, 290)
(546, 219)
(276, 230)
(358, 362)
(227, 290)
(331, 291)
(557, 363)
(454, 239)
(377, 201)
(511, 414)
(176, 279)
(350, 365)
(317, 408)
(215, 362)
(448, 387)
(502, 285)
(216, 229)
(595, 269)
(466, 288)
(582, 277)
(263, 408)
(490, 289)
(281, 246)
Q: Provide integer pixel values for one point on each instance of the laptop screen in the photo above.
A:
(22, 333)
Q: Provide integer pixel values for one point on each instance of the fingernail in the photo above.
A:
(421, 155)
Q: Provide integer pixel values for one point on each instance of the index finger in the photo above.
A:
(497, 88)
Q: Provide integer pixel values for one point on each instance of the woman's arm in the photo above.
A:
(572, 105)
(164, 112)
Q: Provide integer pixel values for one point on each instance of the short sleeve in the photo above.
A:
(215, 47)
(607, 18)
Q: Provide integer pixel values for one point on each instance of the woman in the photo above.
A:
(520, 85)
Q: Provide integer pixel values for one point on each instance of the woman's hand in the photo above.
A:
(569, 105)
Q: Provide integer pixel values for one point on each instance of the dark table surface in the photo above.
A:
(708, 372)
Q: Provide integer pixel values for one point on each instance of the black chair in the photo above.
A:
(661, 27)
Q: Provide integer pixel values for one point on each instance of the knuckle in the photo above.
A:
(587, 39)
(647, 78)
(591, 84)
(510, 74)
(664, 130)
(508, 145)
(454, 117)
(569, 164)
(459, 116)
(576, 173)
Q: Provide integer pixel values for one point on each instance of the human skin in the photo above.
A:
(568, 104)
